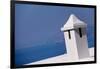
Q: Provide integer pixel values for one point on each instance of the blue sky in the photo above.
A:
(37, 25)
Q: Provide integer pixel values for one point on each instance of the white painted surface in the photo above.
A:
(77, 47)
(72, 23)
(91, 51)
(82, 44)
(71, 46)
(63, 59)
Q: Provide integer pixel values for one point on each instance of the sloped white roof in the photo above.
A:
(72, 23)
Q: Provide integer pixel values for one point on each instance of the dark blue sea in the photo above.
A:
(36, 53)
(40, 52)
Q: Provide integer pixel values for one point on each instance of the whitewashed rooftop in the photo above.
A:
(72, 23)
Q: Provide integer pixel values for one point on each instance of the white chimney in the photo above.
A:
(75, 38)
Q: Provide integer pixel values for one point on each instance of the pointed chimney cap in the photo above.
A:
(73, 23)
